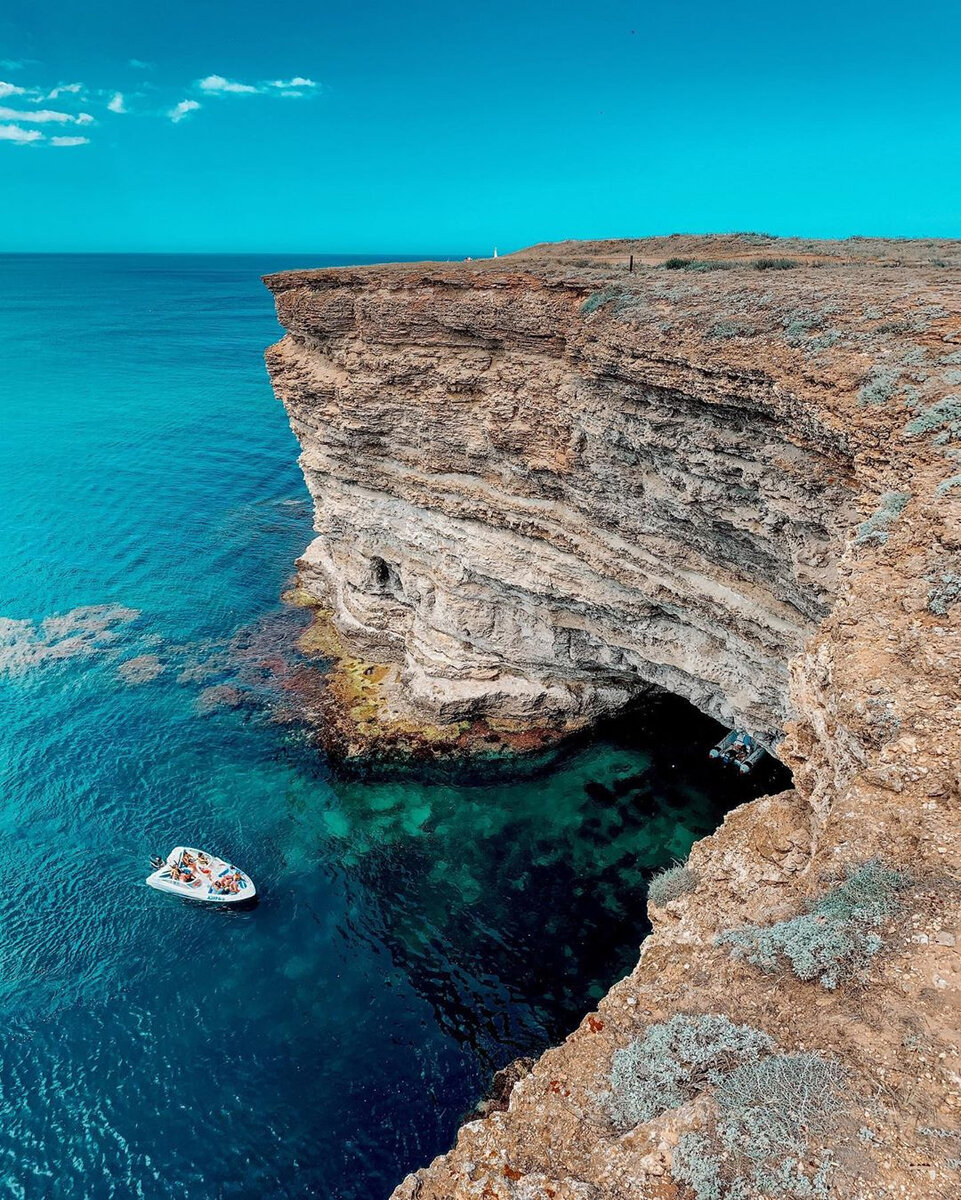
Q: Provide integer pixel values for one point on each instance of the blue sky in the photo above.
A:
(328, 125)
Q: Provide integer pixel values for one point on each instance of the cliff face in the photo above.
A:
(537, 515)
(544, 484)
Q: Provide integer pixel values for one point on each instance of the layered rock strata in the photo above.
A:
(545, 483)
(535, 517)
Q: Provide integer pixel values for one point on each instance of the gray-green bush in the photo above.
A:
(878, 386)
(877, 527)
(944, 414)
(670, 884)
(945, 592)
(597, 300)
(676, 1060)
(774, 1110)
(773, 1118)
(835, 940)
(697, 264)
(723, 329)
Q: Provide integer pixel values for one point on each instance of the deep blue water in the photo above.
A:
(413, 935)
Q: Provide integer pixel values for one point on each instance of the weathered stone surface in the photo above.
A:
(535, 517)
(529, 507)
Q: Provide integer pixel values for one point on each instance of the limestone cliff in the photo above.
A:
(544, 484)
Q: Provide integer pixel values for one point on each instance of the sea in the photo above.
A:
(415, 931)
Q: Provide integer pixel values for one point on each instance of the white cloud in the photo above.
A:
(69, 141)
(179, 111)
(217, 83)
(42, 116)
(292, 86)
(13, 133)
(65, 89)
(11, 89)
(139, 65)
(115, 103)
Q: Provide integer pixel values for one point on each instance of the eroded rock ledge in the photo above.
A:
(542, 485)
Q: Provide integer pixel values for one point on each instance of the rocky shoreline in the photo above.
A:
(546, 484)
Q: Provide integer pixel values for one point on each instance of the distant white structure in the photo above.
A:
(495, 251)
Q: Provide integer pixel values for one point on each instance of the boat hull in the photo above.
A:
(203, 887)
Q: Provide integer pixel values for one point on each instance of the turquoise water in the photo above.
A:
(413, 935)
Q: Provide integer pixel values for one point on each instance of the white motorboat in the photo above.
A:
(197, 875)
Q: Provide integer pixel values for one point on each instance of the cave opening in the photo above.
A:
(385, 578)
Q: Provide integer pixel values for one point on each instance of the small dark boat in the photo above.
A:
(738, 749)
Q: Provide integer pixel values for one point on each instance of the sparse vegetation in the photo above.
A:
(774, 1117)
(774, 1111)
(835, 940)
(946, 485)
(945, 592)
(676, 1060)
(597, 300)
(775, 264)
(877, 527)
(944, 414)
(728, 329)
(670, 884)
(697, 264)
(878, 386)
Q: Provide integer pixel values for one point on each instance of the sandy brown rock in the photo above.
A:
(543, 484)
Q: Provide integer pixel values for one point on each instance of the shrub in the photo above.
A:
(670, 884)
(775, 264)
(676, 1060)
(773, 1118)
(831, 942)
(947, 484)
(728, 329)
(946, 591)
(774, 1105)
(697, 264)
(875, 528)
(946, 412)
(878, 386)
(824, 341)
(597, 300)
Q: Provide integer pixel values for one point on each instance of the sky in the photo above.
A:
(432, 127)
